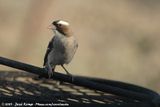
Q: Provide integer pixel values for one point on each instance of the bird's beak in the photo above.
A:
(51, 27)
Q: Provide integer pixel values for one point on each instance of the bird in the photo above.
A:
(61, 47)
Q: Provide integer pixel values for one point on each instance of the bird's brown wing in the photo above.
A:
(49, 48)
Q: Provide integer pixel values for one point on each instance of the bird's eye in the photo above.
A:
(59, 25)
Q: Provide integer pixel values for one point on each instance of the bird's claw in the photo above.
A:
(72, 77)
(50, 74)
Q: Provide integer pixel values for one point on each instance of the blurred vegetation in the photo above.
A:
(118, 39)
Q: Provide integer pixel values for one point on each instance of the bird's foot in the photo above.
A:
(50, 73)
(72, 77)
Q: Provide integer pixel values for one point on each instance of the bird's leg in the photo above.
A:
(53, 69)
(65, 70)
(68, 72)
(48, 68)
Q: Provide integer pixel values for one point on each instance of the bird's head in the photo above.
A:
(61, 26)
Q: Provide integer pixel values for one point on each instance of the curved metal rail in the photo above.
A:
(109, 86)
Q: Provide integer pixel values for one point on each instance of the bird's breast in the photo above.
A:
(70, 48)
(65, 46)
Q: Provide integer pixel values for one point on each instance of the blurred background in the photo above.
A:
(118, 39)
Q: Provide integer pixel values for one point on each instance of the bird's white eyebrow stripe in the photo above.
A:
(63, 23)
